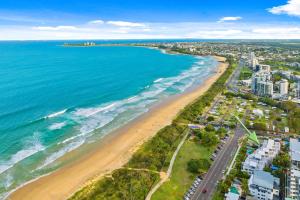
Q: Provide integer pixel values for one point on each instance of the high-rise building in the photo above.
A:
(283, 87)
(265, 88)
(253, 61)
(262, 84)
(265, 68)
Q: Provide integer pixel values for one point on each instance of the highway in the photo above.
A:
(214, 174)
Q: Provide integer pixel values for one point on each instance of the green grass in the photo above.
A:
(181, 179)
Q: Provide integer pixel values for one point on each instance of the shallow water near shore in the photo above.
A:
(55, 99)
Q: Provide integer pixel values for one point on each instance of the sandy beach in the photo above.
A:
(114, 150)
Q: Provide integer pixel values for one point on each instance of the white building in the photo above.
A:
(294, 177)
(262, 84)
(232, 196)
(283, 87)
(253, 61)
(262, 185)
(265, 68)
(265, 88)
(295, 152)
(294, 184)
(262, 156)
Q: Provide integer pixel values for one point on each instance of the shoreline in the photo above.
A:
(112, 152)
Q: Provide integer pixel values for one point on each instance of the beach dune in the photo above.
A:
(114, 151)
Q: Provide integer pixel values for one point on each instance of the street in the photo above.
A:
(214, 174)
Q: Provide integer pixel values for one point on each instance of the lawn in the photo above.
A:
(181, 179)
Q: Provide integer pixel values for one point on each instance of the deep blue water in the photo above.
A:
(53, 98)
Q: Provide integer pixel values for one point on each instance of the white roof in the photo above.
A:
(263, 179)
(295, 149)
(232, 196)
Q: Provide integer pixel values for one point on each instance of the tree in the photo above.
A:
(209, 139)
(193, 166)
(210, 118)
(260, 126)
(221, 132)
(293, 120)
(288, 106)
(209, 128)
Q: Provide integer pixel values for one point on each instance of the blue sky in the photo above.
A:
(120, 19)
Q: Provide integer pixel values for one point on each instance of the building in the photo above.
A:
(295, 152)
(265, 68)
(293, 191)
(265, 88)
(283, 87)
(253, 61)
(234, 192)
(262, 185)
(261, 84)
(294, 184)
(262, 156)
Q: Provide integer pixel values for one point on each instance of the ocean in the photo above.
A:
(54, 99)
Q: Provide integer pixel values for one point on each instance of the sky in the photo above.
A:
(149, 19)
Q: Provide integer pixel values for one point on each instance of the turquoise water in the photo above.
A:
(54, 99)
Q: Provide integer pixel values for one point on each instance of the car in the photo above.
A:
(204, 190)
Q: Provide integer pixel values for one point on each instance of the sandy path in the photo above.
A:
(113, 152)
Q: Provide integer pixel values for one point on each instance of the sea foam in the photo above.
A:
(31, 148)
(57, 126)
(56, 114)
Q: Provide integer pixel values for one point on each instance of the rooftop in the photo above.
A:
(264, 179)
(295, 149)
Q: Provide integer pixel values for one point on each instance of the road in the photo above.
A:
(232, 82)
(214, 174)
(224, 156)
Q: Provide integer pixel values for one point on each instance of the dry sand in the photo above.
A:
(115, 150)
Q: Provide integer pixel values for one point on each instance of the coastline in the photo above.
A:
(112, 152)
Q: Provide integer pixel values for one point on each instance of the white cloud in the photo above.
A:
(147, 29)
(213, 34)
(125, 24)
(201, 30)
(98, 21)
(282, 31)
(223, 19)
(55, 28)
(291, 8)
